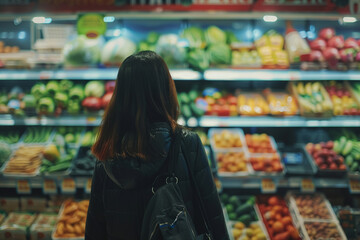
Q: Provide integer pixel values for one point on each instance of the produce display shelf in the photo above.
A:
(278, 75)
(268, 121)
(85, 74)
(205, 121)
(245, 182)
(254, 182)
(185, 74)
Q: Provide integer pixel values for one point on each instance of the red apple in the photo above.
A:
(333, 166)
(326, 33)
(336, 42)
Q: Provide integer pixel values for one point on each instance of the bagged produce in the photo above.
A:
(82, 51)
(295, 45)
(219, 53)
(116, 50)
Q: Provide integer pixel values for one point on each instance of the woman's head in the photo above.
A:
(144, 93)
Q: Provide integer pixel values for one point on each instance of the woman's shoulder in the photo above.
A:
(191, 138)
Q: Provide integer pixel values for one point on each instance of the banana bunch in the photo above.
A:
(311, 97)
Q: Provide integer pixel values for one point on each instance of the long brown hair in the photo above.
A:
(144, 93)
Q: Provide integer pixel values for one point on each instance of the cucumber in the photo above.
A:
(354, 167)
(186, 111)
(197, 111)
(59, 167)
(349, 160)
(46, 163)
(184, 98)
(245, 219)
(244, 209)
(193, 95)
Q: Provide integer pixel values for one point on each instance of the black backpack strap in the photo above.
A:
(197, 192)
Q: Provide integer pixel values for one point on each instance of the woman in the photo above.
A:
(132, 146)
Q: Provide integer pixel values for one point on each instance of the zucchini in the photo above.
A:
(244, 209)
(59, 167)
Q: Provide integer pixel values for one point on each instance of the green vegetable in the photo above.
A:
(232, 216)
(61, 99)
(348, 147)
(251, 200)
(354, 167)
(38, 90)
(244, 209)
(5, 152)
(234, 200)
(219, 54)
(342, 143)
(74, 107)
(196, 111)
(246, 219)
(198, 59)
(349, 160)
(214, 35)
(29, 101)
(70, 138)
(231, 38)
(46, 106)
(94, 89)
(195, 37)
(65, 85)
(186, 111)
(184, 98)
(152, 38)
(143, 46)
(171, 49)
(52, 87)
(229, 208)
(193, 94)
(117, 50)
(76, 93)
(224, 198)
(59, 167)
(46, 163)
(82, 51)
(337, 146)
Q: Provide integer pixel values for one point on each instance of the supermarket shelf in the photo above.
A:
(283, 182)
(205, 121)
(38, 182)
(85, 74)
(266, 121)
(185, 74)
(278, 75)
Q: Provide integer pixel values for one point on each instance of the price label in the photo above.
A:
(91, 120)
(268, 186)
(45, 75)
(354, 185)
(49, 186)
(307, 185)
(68, 185)
(294, 76)
(23, 187)
(88, 185)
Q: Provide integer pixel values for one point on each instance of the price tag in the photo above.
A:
(307, 185)
(49, 186)
(268, 186)
(68, 185)
(294, 76)
(90, 120)
(23, 187)
(354, 185)
(88, 185)
(45, 75)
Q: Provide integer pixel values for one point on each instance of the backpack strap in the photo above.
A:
(197, 192)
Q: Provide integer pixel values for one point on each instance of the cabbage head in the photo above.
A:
(170, 49)
(116, 50)
(215, 35)
(82, 51)
(219, 54)
(195, 37)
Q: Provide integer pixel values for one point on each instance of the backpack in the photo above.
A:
(166, 216)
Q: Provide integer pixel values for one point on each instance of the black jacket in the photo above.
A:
(121, 189)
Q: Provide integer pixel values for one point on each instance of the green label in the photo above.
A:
(91, 25)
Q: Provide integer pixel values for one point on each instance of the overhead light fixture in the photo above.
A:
(270, 18)
(41, 20)
(349, 19)
(109, 19)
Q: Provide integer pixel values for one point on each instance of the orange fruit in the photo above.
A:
(278, 227)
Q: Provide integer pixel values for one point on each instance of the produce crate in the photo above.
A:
(84, 163)
(212, 162)
(313, 230)
(263, 158)
(268, 209)
(6, 172)
(252, 104)
(235, 132)
(320, 210)
(296, 161)
(307, 110)
(325, 172)
(248, 232)
(17, 225)
(237, 163)
(60, 232)
(43, 226)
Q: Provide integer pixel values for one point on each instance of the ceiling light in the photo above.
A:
(349, 19)
(270, 18)
(41, 20)
(109, 19)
